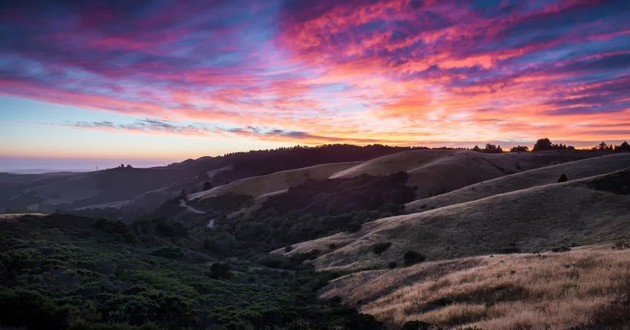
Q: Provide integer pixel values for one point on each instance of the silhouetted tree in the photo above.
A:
(545, 144)
(492, 149)
(207, 185)
(542, 145)
(476, 148)
(519, 149)
(623, 147)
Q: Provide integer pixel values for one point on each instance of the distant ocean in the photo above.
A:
(35, 166)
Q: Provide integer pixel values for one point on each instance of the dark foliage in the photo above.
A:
(489, 149)
(563, 178)
(318, 208)
(413, 257)
(66, 272)
(379, 248)
(545, 144)
(519, 149)
(220, 270)
(509, 250)
(561, 249)
(416, 325)
(623, 147)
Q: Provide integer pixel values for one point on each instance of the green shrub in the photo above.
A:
(170, 252)
(220, 270)
(353, 227)
(25, 308)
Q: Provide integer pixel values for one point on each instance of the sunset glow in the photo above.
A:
(170, 80)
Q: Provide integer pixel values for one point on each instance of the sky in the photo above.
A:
(153, 82)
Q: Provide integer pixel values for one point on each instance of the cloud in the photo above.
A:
(394, 71)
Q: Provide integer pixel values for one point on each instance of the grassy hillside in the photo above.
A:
(586, 288)
(549, 174)
(123, 191)
(435, 172)
(585, 211)
(264, 184)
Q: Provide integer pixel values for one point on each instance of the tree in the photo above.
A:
(519, 149)
(545, 144)
(542, 145)
(623, 147)
(413, 257)
(492, 149)
(476, 148)
(207, 185)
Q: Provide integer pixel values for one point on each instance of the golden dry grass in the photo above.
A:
(584, 288)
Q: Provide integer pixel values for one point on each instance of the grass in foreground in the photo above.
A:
(588, 288)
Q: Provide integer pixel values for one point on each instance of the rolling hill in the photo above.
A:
(549, 174)
(131, 192)
(274, 182)
(586, 288)
(436, 172)
(586, 211)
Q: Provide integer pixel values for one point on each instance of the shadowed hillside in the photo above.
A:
(586, 211)
(278, 181)
(549, 174)
(436, 172)
(131, 192)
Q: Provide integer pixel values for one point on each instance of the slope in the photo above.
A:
(264, 184)
(549, 174)
(586, 288)
(586, 211)
(436, 172)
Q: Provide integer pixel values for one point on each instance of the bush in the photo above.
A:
(416, 325)
(25, 308)
(379, 248)
(169, 252)
(509, 250)
(220, 270)
(392, 265)
(353, 227)
(563, 178)
(413, 257)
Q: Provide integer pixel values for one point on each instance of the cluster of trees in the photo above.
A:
(489, 149)
(68, 272)
(318, 208)
(610, 147)
(543, 144)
